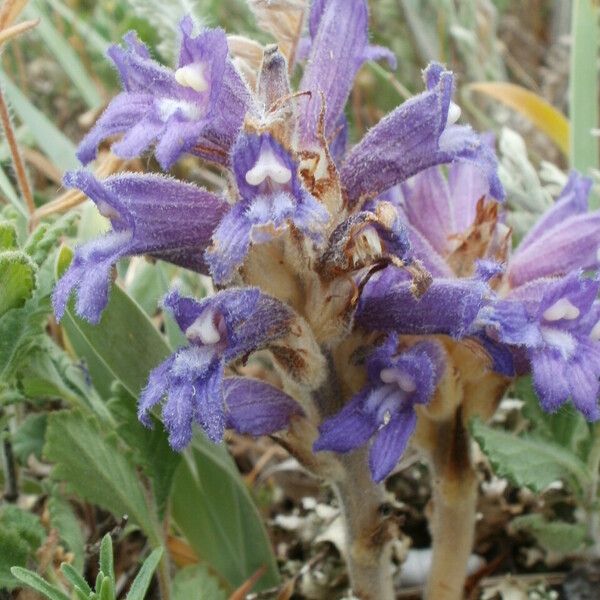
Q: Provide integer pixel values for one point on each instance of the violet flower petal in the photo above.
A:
(348, 429)
(573, 200)
(339, 30)
(390, 443)
(428, 208)
(250, 318)
(412, 138)
(449, 306)
(257, 408)
(571, 245)
(150, 214)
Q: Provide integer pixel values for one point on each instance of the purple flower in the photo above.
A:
(384, 409)
(449, 306)
(201, 104)
(419, 134)
(566, 238)
(150, 214)
(271, 198)
(339, 46)
(219, 330)
(555, 322)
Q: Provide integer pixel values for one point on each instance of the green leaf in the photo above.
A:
(141, 583)
(68, 59)
(149, 284)
(529, 460)
(65, 521)
(583, 85)
(18, 277)
(8, 236)
(13, 551)
(44, 239)
(555, 536)
(566, 427)
(95, 466)
(51, 141)
(212, 507)
(125, 340)
(74, 577)
(28, 439)
(34, 581)
(19, 332)
(196, 583)
(150, 448)
(24, 523)
(82, 26)
(9, 191)
(106, 590)
(106, 557)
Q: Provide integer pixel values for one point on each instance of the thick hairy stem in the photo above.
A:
(368, 532)
(454, 505)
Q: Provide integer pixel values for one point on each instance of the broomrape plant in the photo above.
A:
(379, 290)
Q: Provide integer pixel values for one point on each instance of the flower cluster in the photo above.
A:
(355, 272)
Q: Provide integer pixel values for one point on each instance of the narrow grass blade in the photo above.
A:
(96, 41)
(9, 191)
(55, 145)
(65, 56)
(583, 90)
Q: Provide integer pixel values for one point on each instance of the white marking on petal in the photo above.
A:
(454, 113)
(598, 255)
(106, 210)
(561, 340)
(167, 107)
(204, 329)
(561, 309)
(595, 333)
(268, 165)
(192, 76)
(401, 379)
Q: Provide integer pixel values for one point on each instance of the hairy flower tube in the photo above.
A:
(379, 295)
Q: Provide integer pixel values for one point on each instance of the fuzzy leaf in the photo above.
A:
(40, 585)
(150, 448)
(140, 584)
(28, 439)
(567, 427)
(213, 509)
(75, 579)
(554, 536)
(8, 236)
(13, 552)
(529, 460)
(18, 277)
(24, 523)
(106, 557)
(95, 466)
(65, 521)
(125, 340)
(196, 583)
